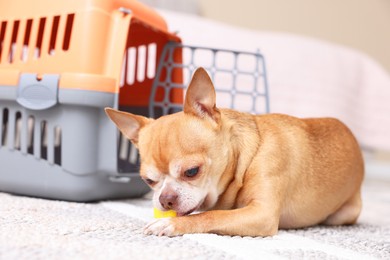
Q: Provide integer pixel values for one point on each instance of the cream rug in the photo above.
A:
(33, 228)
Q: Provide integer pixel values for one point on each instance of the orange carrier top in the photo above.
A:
(97, 45)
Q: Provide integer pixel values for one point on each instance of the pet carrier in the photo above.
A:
(61, 63)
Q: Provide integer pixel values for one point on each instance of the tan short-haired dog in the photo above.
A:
(251, 175)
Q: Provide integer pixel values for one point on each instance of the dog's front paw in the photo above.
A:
(161, 227)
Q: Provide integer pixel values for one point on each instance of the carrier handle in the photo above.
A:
(38, 92)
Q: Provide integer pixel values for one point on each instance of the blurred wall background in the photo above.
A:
(360, 24)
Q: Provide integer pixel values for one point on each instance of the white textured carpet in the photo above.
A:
(33, 228)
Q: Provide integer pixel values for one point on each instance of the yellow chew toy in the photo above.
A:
(164, 214)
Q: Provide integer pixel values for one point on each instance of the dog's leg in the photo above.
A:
(348, 213)
(252, 220)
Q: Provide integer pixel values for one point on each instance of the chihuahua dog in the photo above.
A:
(249, 175)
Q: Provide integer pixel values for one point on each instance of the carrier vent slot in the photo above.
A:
(50, 143)
(18, 130)
(139, 64)
(127, 151)
(26, 40)
(3, 28)
(123, 147)
(12, 50)
(68, 32)
(53, 37)
(43, 131)
(41, 30)
(30, 134)
(152, 57)
(130, 65)
(128, 157)
(4, 127)
(133, 154)
(57, 145)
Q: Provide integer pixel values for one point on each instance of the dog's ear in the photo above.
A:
(129, 124)
(200, 97)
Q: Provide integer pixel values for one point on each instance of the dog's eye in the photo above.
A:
(191, 172)
(149, 181)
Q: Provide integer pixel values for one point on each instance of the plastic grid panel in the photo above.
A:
(239, 78)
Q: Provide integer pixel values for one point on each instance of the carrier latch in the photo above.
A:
(38, 92)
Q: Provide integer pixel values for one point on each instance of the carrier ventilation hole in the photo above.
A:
(41, 30)
(57, 145)
(36, 31)
(4, 127)
(68, 32)
(14, 38)
(139, 64)
(30, 134)
(3, 27)
(53, 36)
(26, 40)
(18, 130)
(127, 151)
(43, 131)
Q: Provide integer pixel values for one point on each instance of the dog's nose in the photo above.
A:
(168, 200)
